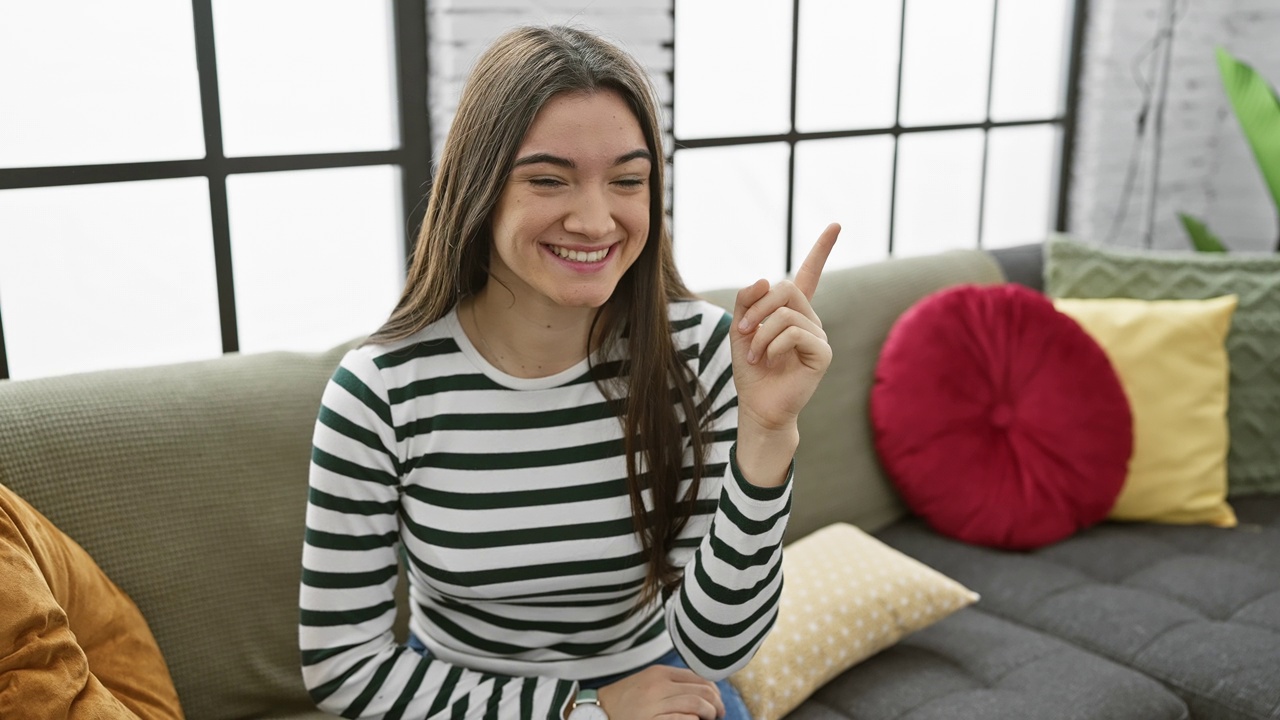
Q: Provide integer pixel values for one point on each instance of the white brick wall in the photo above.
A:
(1207, 168)
(459, 30)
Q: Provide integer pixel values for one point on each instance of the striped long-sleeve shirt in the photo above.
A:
(508, 497)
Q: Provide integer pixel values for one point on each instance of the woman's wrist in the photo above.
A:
(764, 455)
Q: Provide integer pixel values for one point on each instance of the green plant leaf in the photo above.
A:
(1201, 238)
(1258, 109)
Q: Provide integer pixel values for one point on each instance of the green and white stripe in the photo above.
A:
(509, 499)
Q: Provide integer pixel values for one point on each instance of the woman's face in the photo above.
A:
(574, 214)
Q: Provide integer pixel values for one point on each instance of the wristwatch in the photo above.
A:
(586, 706)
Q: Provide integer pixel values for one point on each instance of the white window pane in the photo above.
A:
(1019, 203)
(317, 255)
(731, 215)
(85, 82)
(734, 68)
(847, 64)
(102, 276)
(1028, 81)
(939, 178)
(847, 180)
(305, 76)
(946, 61)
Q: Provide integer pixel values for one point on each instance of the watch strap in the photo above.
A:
(587, 697)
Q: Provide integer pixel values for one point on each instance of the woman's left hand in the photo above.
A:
(780, 351)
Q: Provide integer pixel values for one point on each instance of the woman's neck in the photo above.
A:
(526, 340)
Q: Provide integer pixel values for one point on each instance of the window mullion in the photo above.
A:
(412, 68)
(791, 138)
(897, 127)
(986, 132)
(215, 170)
(4, 358)
(1067, 150)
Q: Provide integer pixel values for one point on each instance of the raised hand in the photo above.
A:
(780, 353)
(665, 692)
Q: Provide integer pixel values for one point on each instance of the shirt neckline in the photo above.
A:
(505, 379)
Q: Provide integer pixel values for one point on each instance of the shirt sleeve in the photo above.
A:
(728, 600)
(351, 663)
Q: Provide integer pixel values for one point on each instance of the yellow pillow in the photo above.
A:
(846, 596)
(1172, 361)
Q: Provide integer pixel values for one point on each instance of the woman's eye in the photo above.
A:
(630, 182)
(545, 182)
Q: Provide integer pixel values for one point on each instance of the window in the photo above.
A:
(918, 125)
(182, 180)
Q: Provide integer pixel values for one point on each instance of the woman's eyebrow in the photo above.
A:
(544, 158)
(633, 155)
(550, 159)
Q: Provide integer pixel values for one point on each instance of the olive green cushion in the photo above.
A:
(1077, 270)
(838, 474)
(188, 485)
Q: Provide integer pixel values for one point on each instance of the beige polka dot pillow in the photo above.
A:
(846, 596)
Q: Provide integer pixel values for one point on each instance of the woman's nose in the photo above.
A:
(591, 215)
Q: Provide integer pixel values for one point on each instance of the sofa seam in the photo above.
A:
(1146, 645)
(1160, 677)
(1229, 618)
(984, 684)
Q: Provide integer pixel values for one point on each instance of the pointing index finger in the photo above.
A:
(811, 269)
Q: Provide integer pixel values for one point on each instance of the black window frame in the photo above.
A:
(412, 157)
(1066, 120)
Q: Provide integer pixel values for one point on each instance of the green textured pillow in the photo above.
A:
(1077, 270)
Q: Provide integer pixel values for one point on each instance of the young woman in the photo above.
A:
(586, 468)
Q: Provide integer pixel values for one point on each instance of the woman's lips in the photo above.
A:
(582, 260)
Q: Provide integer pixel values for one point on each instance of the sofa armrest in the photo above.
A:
(1023, 264)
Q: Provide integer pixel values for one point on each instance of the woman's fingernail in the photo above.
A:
(751, 357)
(744, 325)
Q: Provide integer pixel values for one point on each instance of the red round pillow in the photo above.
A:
(999, 419)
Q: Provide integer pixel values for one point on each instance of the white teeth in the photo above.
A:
(578, 255)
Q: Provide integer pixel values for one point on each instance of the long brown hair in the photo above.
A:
(510, 82)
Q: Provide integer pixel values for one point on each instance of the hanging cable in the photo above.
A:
(1162, 39)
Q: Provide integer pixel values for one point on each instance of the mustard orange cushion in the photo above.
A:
(72, 644)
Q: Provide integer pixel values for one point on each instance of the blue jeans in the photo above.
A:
(734, 708)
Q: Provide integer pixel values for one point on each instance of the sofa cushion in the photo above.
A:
(71, 643)
(1077, 270)
(838, 476)
(1178, 472)
(1195, 607)
(976, 666)
(999, 419)
(188, 485)
(847, 596)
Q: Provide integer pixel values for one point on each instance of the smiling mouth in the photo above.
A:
(580, 256)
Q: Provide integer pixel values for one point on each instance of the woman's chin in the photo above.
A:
(586, 298)
(585, 303)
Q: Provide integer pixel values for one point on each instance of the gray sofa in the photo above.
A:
(187, 483)
(1134, 621)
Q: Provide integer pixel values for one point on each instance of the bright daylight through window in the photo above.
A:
(919, 126)
(195, 178)
(179, 180)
